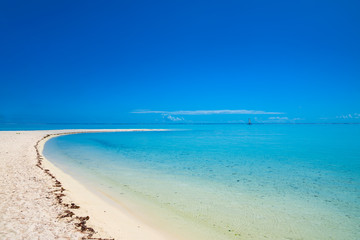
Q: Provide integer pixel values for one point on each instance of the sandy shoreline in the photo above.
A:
(39, 201)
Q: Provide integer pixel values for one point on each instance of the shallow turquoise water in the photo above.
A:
(237, 181)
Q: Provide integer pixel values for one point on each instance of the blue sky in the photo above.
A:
(180, 61)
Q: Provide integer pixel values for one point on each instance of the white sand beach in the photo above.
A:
(39, 201)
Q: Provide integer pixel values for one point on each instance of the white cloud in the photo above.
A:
(172, 118)
(207, 112)
(278, 118)
(349, 116)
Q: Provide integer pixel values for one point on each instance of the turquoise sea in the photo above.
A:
(226, 181)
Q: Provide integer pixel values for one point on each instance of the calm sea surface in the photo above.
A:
(226, 181)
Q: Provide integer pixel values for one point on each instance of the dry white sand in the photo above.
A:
(39, 201)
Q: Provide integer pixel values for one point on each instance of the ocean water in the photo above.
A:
(226, 181)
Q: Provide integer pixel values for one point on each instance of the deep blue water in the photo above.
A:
(242, 182)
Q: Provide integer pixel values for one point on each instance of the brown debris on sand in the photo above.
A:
(80, 222)
(28, 207)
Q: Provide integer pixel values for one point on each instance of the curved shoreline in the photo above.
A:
(88, 212)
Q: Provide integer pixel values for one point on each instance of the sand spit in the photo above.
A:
(39, 201)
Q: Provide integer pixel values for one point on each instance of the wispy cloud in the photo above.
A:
(349, 116)
(278, 118)
(172, 118)
(206, 112)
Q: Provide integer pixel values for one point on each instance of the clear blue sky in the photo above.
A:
(146, 61)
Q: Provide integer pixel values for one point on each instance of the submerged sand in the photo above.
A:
(39, 201)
